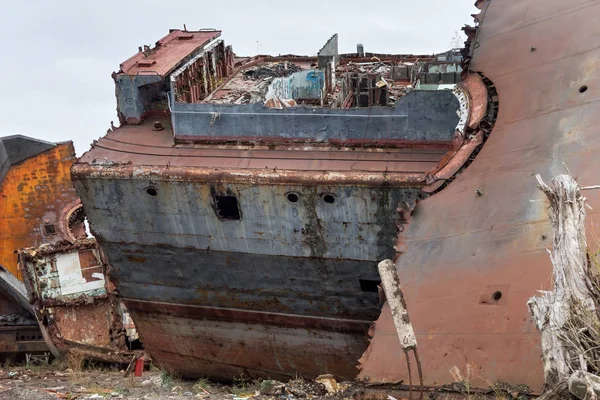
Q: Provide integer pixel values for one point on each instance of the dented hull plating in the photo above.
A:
(474, 253)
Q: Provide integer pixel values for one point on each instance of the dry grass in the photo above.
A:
(463, 383)
(75, 361)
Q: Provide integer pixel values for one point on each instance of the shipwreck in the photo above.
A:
(244, 202)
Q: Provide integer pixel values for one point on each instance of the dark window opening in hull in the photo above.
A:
(328, 198)
(227, 207)
(49, 229)
(369, 285)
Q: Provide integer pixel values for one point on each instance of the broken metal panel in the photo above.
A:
(168, 53)
(306, 84)
(36, 194)
(17, 339)
(67, 286)
(69, 275)
(200, 76)
(142, 82)
(329, 52)
(475, 252)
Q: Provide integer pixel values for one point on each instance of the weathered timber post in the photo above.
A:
(566, 316)
(404, 329)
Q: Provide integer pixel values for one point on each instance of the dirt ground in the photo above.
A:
(58, 381)
(48, 383)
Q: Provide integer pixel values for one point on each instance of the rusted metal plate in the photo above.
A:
(478, 98)
(127, 156)
(444, 172)
(85, 324)
(36, 195)
(167, 53)
(126, 146)
(207, 346)
(486, 232)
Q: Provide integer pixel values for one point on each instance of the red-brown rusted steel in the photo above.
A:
(168, 52)
(253, 346)
(451, 166)
(36, 195)
(255, 163)
(85, 321)
(463, 147)
(36, 192)
(487, 231)
(478, 94)
(200, 77)
(254, 317)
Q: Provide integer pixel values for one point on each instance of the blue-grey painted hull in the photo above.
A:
(222, 314)
(289, 288)
(296, 285)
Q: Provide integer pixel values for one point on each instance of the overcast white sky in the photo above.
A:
(57, 56)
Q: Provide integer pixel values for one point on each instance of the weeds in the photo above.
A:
(202, 385)
(166, 379)
(463, 383)
(59, 364)
(75, 361)
(266, 386)
(240, 385)
(119, 390)
(244, 385)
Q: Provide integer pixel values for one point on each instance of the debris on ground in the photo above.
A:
(46, 382)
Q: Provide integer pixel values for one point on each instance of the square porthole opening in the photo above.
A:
(49, 229)
(227, 207)
(369, 285)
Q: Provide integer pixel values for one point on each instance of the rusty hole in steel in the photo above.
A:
(328, 198)
(227, 207)
(49, 229)
(76, 223)
(582, 89)
(497, 295)
(369, 285)
(293, 197)
(152, 191)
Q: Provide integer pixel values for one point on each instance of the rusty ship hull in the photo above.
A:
(272, 295)
(244, 203)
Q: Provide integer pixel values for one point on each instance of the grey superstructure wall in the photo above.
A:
(418, 116)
